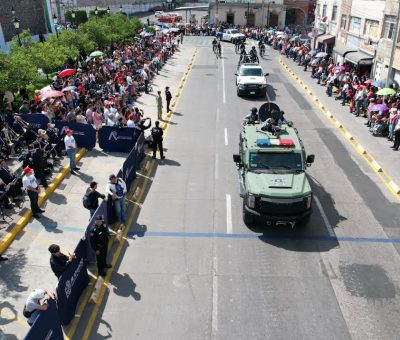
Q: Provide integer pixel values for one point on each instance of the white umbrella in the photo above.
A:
(45, 89)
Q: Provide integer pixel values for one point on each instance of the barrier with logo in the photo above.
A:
(112, 139)
(84, 134)
(36, 120)
(71, 284)
(47, 325)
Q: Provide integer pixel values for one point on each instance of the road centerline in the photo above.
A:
(228, 214)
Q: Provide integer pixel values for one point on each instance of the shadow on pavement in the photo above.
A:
(314, 237)
(124, 286)
(10, 275)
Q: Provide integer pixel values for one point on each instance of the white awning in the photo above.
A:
(342, 49)
(359, 58)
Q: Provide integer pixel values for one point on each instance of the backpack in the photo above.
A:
(26, 313)
(86, 201)
(119, 191)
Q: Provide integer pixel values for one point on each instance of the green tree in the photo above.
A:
(76, 41)
(20, 69)
(80, 16)
(26, 40)
(96, 31)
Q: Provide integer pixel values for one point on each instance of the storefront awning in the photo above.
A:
(359, 58)
(342, 49)
(326, 39)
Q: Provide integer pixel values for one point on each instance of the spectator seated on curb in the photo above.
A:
(36, 303)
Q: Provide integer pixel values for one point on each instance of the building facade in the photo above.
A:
(34, 15)
(252, 13)
(362, 34)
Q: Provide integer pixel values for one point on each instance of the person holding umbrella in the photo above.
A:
(70, 147)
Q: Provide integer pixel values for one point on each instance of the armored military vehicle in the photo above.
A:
(272, 162)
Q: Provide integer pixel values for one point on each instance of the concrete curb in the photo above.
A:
(23, 221)
(374, 165)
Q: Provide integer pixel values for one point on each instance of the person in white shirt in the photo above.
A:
(116, 190)
(31, 186)
(130, 123)
(70, 147)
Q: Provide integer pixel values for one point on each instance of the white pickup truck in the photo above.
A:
(232, 35)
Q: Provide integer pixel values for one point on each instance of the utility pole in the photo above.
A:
(216, 12)
(248, 10)
(394, 46)
(262, 13)
(269, 3)
(58, 6)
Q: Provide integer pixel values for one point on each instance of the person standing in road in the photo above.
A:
(31, 185)
(58, 260)
(168, 97)
(70, 147)
(181, 38)
(157, 135)
(116, 189)
(159, 105)
(39, 165)
(93, 198)
(396, 136)
(99, 238)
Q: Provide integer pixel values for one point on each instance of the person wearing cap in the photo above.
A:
(58, 260)
(31, 185)
(251, 118)
(116, 190)
(99, 237)
(168, 97)
(159, 105)
(157, 135)
(36, 302)
(70, 146)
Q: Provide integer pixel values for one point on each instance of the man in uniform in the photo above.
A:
(31, 185)
(58, 260)
(157, 134)
(252, 118)
(159, 105)
(39, 165)
(168, 97)
(99, 237)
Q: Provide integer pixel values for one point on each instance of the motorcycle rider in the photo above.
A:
(261, 47)
(253, 54)
(214, 43)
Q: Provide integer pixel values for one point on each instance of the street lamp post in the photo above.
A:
(247, 16)
(16, 26)
(55, 20)
(108, 10)
(73, 14)
(120, 8)
(96, 11)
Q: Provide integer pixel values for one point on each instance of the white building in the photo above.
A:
(253, 12)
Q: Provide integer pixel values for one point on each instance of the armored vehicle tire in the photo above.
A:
(263, 94)
(238, 92)
(248, 219)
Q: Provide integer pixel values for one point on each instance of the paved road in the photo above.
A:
(336, 279)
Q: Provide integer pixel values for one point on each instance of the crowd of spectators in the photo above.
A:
(101, 91)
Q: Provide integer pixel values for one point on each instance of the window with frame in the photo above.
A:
(371, 28)
(324, 10)
(389, 28)
(334, 13)
(343, 22)
(355, 25)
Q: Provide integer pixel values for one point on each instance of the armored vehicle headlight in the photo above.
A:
(307, 201)
(251, 201)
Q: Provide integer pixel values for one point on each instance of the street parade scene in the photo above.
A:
(199, 170)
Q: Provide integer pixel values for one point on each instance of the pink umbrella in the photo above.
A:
(67, 72)
(369, 81)
(52, 94)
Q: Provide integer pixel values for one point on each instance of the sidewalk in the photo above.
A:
(66, 219)
(376, 147)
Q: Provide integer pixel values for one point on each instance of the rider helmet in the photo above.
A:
(254, 110)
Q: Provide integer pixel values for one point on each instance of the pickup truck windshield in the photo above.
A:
(285, 161)
(252, 72)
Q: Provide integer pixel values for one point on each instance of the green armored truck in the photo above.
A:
(272, 161)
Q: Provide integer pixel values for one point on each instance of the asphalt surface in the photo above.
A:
(193, 270)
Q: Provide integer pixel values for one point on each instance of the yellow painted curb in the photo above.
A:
(23, 221)
(376, 166)
(394, 186)
(361, 149)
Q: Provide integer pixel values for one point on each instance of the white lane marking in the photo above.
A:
(217, 116)
(223, 82)
(228, 214)
(216, 166)
(214, 315)
(226, 136)
(324, 217)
